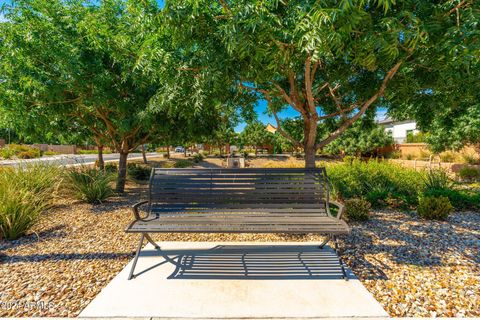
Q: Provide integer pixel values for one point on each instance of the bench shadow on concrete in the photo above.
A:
(252, 262)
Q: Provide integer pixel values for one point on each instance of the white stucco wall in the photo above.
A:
(399, 130)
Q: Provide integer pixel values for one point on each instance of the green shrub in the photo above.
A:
(375, 181)
(20, 152)
(90, 184)
(111, 167)
(183, 163)
(198, 158)
(469, 174)
(357, 209)
(138, 172)
(29, 154)
(348, 159)
(437, 180)
(50, 153)
(434, 208)
(25, 193)
(460, 199)
(396, 154)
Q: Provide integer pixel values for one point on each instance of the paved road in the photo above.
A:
(76, 159)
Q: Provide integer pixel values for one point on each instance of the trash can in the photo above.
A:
(235, 162)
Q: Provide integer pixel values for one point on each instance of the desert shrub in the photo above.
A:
(424, 154)
(19, 151)
(198, 158)
(469, 174)
(448, 156)
(470, 158)
(348, 159)
(50, 153)
(138, 172)
(29, 154)
(396, 154)
(89, 184)
(183, 163)
(357, 209)
(25, 193)
(375, 181)
(437, 179)
(434, 208)
(111, 167)
(460, 199)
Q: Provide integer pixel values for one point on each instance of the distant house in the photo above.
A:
(399, 129)
(270, 128)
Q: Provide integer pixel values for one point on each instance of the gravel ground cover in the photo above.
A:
(412, 267)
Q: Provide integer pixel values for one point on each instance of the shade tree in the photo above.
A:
(331, 61)
(109, 66)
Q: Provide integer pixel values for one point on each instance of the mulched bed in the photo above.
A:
(412, 267)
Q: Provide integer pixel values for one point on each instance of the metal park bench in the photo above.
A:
(238, 201)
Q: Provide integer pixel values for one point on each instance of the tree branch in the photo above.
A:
(285, 134)
(289, 100)
(241, 85)
(335, 114)
(308, 88)
(390, 74)
(279, 127)
(225, 6)
(458, 6)
(336, 100)
(36, 103)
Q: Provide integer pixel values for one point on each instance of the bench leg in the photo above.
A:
(340, 259)
(149, 239)
(137, 253)
(327, 239)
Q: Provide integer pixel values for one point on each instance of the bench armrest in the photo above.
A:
(341, 208)
(135, 209)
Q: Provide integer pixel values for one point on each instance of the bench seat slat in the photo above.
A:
(239, 223)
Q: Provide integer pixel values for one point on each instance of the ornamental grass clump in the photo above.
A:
(437, 179)
(90, 184)
(25, 193)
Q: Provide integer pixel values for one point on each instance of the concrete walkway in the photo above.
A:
(235, 280)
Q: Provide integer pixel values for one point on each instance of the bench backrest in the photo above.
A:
(238, 188)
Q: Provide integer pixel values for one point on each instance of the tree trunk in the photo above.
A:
(310, 133)
(122, 172)
(143, 154)
(101, 162)
(168, 152)
(185, 152)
